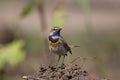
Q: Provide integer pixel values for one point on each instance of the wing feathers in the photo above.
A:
(65, 45)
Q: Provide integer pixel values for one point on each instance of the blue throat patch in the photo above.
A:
(54, 40)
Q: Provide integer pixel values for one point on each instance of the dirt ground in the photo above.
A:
(61, 72)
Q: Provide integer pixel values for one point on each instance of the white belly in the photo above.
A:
(59, 50)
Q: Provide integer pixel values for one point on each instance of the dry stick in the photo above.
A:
(83, 58)
(75, 59)
(25, 77)
(29, 78)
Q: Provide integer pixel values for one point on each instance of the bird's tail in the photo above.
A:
(73, 46)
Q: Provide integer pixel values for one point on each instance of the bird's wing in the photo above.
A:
(65, 45)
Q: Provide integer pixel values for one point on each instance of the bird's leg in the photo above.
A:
(59, 59)
(63, 59)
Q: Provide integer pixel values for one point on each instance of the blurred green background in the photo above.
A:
(92, 24)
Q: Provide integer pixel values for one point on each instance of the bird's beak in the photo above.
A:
(59, 30)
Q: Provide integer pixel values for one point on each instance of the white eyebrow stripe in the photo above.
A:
(56, 28)
(51, 33)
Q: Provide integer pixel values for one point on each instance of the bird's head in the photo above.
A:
(55, 31)
(54, 34)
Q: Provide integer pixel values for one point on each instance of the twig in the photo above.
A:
(75, 59)
(25, 77)
(29, 78)
(83, 58)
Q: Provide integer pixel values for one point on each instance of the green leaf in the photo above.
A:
(58, 17)
(27, 9)
(12, 53)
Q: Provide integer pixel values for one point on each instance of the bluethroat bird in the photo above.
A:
(57, 44)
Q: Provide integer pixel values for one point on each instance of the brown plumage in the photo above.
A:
(58, 45)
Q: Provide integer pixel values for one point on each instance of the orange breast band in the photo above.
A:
(53, 44)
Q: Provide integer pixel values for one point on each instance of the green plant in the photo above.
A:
(12, 53)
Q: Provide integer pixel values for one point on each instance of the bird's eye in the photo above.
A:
(54, 29)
